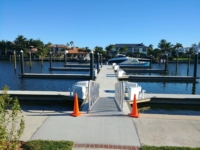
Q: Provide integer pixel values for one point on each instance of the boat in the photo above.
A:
(119, 58)
(133, 62)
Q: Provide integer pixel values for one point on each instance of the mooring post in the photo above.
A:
(101, 60)
(150, 61)
(91, 65)
(10, 57)
(14, 60)
(176, 63)
(22, 62)
(30, 60)
(166, 63)
(41, 60)
(195, 65)
(188, 67)
(50, 58)
(97, 62)
(65, 58)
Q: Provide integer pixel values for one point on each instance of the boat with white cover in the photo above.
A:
(119, 58)
(133, 62)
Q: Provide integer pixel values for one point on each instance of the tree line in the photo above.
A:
(22, 43)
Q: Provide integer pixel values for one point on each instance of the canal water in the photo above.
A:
(15, 82)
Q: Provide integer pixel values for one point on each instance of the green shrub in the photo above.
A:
(11, 120)
(170, 58)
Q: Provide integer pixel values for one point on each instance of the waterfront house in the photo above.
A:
(132, 48)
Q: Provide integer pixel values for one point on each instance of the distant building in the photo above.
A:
(58, 49)
(75, 52)
(132, 48)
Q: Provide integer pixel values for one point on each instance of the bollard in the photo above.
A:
(150, 61)
(30, 63)
(22, 62)
(50, 58)
(97, 62)
(14, 60)
(166, 63)
(91, 65)
(195, 65)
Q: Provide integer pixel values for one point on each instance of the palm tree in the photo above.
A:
(20, 41)
(192, 50)
(176, 48)
(109, 49)
(150, 49)
(162, 45)
(71, 43)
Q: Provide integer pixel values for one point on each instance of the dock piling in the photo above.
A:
(166, 63)
(30, 63)
(50, 58)
(97, 62)
(188, 68)
(14, 60)
(41, 60)
(22, 62)
(150, 61)
(176, 63)
(195, 65)
(101, 60)
(91, 65)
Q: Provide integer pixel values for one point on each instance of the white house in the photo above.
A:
(133, 48)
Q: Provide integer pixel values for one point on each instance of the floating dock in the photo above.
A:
(69, 69)
(158, 78)
(57, 76)
(79, 65)
(134, 70)
(170, 99)
(141, 67)
(41, 95)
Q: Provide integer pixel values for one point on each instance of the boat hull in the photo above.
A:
(136, 64)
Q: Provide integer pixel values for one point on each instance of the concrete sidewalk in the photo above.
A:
(111, 128)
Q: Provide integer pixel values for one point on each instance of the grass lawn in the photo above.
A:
(181, 59)
(167, 148)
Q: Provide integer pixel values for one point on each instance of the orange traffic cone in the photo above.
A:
(76, 107)
(134, 112)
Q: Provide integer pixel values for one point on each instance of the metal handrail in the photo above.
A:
(93, 93)
(119, 94)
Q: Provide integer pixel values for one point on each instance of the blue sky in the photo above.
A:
(101, 22)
